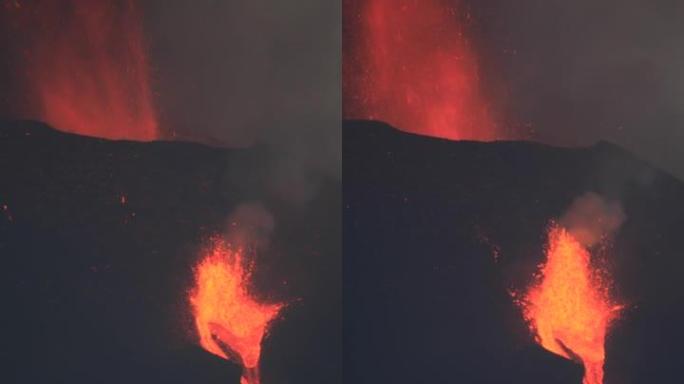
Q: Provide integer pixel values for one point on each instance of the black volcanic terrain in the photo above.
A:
(98, 239)
(437, 232)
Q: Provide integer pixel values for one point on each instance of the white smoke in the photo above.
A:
(251, 225)
(591, 218)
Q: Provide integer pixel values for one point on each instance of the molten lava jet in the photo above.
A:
(408, 63)
(569, 307)
(85, 66)
(230, 322)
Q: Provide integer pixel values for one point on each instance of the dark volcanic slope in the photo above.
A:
(426, 302)
(94, 289)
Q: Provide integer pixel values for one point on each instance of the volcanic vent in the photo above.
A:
(101, 241)
(438, 234)
(228, 319)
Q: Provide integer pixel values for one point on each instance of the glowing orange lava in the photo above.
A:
(408, 63)
(230, 323)
(86, 67)
(569, 308)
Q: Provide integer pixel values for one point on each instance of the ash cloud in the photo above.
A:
(591, 218)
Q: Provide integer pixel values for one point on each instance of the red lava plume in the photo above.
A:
(230, 322)
(86, 66)
(569, 307)
(408, 63)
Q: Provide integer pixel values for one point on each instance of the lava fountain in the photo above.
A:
(569, 307)
(409, 63)
(85, 67)
(230, 322)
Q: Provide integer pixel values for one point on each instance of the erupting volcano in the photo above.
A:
(408, 63)
(85, 67)
(230, 322)
(569, 308)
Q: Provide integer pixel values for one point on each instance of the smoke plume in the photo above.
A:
(591, 218)
(250, 224)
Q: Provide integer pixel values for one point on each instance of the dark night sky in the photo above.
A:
(581, 71)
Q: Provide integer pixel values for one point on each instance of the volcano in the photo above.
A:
(439, 233)
(99, 239)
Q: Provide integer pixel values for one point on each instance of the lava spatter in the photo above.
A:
(85, 67)
(230, 322)
(409, 63)
(569, 307)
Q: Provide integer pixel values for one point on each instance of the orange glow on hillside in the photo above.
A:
(569, 308)
(408, 63)
(230, 322)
